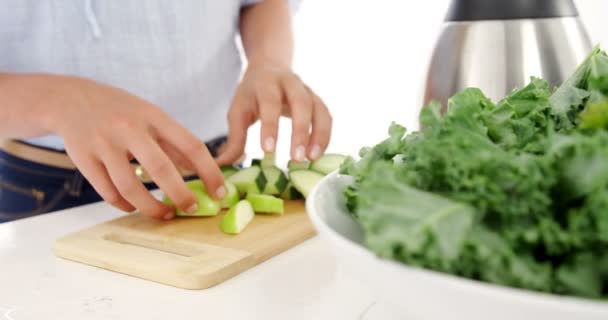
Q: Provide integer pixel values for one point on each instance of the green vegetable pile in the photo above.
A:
(514, 192)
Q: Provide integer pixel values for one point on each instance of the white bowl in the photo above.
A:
(424, 294)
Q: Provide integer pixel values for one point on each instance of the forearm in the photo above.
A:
(27, 102)
(266, 32)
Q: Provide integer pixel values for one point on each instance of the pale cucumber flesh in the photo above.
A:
(237, 218)
(264, 203)
(305, 180)
(327, 163)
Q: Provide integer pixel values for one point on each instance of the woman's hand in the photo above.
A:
(266, 93)
(105, 127)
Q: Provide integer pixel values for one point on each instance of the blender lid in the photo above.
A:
(472, 10)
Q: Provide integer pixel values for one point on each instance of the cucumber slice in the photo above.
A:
(327, 163)
(207, 206)
(249, 180)
(196, 184)
(291, 193)
(232, 196)
(227, 171)
(276, 180)
(268, 161)
(237, 218)
(305, 180)
(256, 162)
(293, 165)
(266, 204)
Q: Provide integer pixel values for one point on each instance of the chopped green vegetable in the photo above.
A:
(249, 180)
(264, 203)
(297, 165)
(228, 171)
(268, 161)
(305, 180)
(513, 192)
(291, 193)
(232, 196)
(207, 206)
(327, 163)
(276, 180)
(237, 218)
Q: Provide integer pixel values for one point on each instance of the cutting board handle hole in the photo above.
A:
(170, 246)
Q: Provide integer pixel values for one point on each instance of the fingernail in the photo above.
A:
(315, 152)
(269, 144)
(168, 216)
(299, 154)
(193, 208)
(220, 192)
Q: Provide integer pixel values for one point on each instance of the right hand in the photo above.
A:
(104, 128)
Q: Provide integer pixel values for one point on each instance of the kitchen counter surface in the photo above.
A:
(302, 283)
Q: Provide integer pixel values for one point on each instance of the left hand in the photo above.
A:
(268, 92)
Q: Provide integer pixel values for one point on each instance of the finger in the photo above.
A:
(178, 159)
(197, 154)
(131, 188)
(94, 171)
(300, 105)
(321, 128)
(269, 101)
(164, 173)
(239, 119)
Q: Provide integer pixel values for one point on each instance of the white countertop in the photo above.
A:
(302, 283)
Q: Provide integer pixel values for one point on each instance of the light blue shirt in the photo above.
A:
(180, 55)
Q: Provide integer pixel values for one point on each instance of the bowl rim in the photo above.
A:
(518, 295)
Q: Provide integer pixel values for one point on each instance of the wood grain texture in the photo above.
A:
(189, 253)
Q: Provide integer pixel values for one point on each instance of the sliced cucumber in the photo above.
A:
(305, 180)
(196, 184)
(268, 161)
(293, 165)
(276, 180)
(291, 193)
(327, 163)
(227, 171)
(207, 206)
(249, 180)
(264, 203)
(256, 162)
(232, 196)
(237, 218)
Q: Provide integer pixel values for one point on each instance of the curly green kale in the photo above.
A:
(513, 192)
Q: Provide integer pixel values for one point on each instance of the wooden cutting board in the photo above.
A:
(190, 253)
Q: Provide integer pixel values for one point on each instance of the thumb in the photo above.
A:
(239, 120)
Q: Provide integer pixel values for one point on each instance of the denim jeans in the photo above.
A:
(28, 188)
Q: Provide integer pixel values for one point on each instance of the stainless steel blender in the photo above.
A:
(497, 45)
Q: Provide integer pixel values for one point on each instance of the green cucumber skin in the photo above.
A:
(232, 196)
(295, 194)
(293, 165)
(260, 184)
(245, 181)
(276, 180)
(263, 203)
(282, 183)
(207, 206)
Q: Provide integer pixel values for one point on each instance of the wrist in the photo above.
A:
(267, 61)
(57, 94)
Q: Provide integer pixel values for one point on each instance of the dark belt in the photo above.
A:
(60, 159)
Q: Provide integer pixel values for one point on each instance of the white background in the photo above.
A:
(367, 60)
